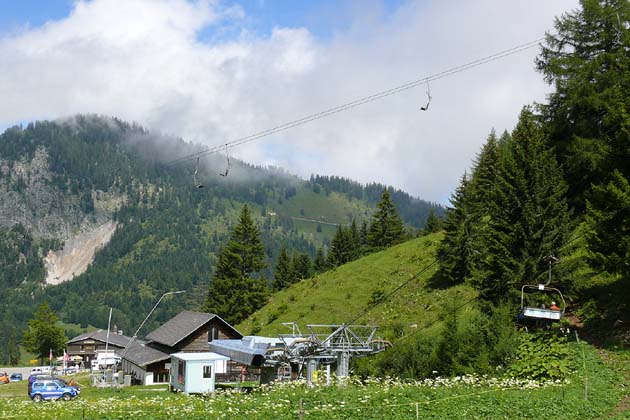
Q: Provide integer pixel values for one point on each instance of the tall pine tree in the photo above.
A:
(235, 292)
(284, 273)
(608, 220)
(319, 265)
(527, 215)
(342, 248)
(587, 61)
(453, 252)
(302, 266)
(386, 228)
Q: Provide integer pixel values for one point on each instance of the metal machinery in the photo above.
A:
(326, 344)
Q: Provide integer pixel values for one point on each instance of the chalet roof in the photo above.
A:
(142, 355)
(182, 325)
(117, 340)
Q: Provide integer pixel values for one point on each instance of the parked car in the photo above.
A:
(16, 377)
(4, 378)
(41, 370)
(37, 377)
(71, 370)
(52, 390)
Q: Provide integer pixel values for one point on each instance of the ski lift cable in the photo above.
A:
(435, 321)
(390, 294)
(361, 101)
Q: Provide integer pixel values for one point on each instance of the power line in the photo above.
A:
(358, 102)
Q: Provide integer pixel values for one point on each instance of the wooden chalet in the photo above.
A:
(87, 345)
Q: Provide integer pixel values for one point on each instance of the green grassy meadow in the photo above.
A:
(454, 398)
(342, 294)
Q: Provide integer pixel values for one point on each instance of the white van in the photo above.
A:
(40, 370)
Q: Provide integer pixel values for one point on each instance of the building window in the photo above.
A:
(213, 333)
(181, 371)
(82, 349)
(207, 371)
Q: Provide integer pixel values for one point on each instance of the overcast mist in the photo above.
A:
(205, 72)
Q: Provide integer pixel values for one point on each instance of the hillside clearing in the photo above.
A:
(342, 294)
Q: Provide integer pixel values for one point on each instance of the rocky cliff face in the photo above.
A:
(28, 197)
(77, 253)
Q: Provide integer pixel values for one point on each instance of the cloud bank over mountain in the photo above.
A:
(198, 70)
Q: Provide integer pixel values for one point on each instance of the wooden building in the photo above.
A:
(87, 345)
(187, 332)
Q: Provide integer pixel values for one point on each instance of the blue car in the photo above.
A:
(52, 390)
(16, 377)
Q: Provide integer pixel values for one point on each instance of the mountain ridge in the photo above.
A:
(98, 170)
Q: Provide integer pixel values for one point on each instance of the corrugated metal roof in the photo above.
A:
(181, 326)
(142, 355)
(240, 351)
(199, 356)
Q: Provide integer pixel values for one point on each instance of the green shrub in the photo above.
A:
(542, 356)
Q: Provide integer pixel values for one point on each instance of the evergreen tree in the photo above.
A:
(13, 349)
(453, 251)
(284, 274)
(234, 292)
(43, 334)
(342, 248)
(320, 261)
(386, 228)
(363, 235)
(433, 223)
(302, 266)
(527, 218)
(355, 238)
(587, 61)
(608, 220)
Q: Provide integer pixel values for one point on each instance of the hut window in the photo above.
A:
(207, 371)
(181, 371)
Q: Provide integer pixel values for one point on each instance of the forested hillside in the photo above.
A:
(62, 179)
(554, 193)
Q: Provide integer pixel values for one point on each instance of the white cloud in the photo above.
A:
(141, 60)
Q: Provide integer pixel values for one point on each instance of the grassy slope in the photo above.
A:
(341, 294)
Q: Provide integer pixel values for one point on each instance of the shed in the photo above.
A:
(194, 373)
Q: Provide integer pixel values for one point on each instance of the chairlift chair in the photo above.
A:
(426, 107)
(541, 314)
(227, 168)
(197, 183)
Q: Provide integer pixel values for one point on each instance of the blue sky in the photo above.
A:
(270, 62)
(322, 17)
(16, 14)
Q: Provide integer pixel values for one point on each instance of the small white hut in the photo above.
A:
(194, 373)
